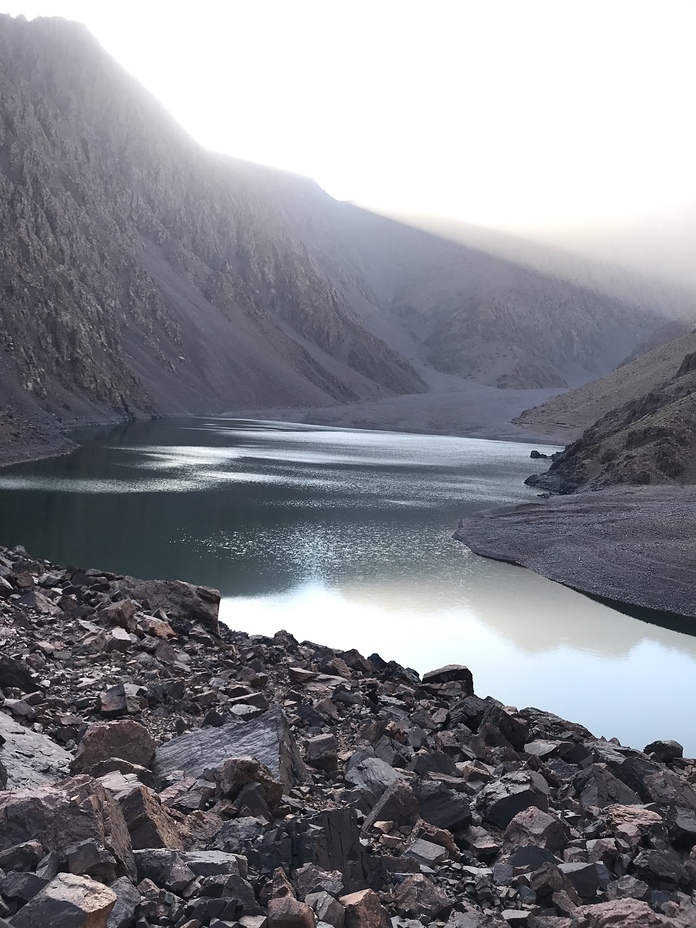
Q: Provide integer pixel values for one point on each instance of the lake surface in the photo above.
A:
(343, 537)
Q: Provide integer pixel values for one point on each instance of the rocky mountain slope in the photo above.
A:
(568, 415)
(648, 440)
(142, 274)
(158, 769)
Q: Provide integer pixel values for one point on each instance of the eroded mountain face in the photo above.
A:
(141, 274)
(650, 439)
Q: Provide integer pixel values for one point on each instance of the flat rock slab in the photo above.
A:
(29, 758)
(267, 738)
(632, 545)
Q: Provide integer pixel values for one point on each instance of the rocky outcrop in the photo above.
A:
(260, 781)
(648, 440)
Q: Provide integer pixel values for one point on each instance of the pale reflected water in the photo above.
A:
(343, 537)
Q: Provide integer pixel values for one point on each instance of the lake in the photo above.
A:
(343, 537)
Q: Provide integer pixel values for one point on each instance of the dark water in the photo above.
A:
(343, 537)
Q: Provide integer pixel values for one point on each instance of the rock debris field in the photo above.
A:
(160, 769)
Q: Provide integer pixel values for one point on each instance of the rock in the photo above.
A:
(664, 751)
(452, 673)
(240, 771)
(183, 602)
(583, 876)
(597, 786)
(68, 901)
(284, 910)
(628, 887)
(113, 702)
(121, 613)
(125, 739)
(397, 804)
(440, 805)
(502, 799)
(621, 913)
(149, 823)
(311, 879)
(64, 815)
(662, 869)
(370, 776)
(498, 720)
(417, 895)
(127, 901)
(24, 856)
(328, 910)
(90, 858)
(364, 910)
(16, 674)
(425, 852)
(267, 738)
(532, 826)
(28, 758)
(322, 752)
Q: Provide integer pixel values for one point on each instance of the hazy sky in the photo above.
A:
(495, 111)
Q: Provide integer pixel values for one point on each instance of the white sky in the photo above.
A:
(517, 112)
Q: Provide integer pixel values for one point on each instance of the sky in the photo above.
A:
(509, 113)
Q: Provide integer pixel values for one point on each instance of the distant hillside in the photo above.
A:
(142, 275)
(648, 440)
(565, 417)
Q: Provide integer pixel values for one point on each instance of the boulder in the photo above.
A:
(597, 786)
(397, 804)
(619, 913)
(501, 800)
(68, 901)
(364, 910)
(532, 826)
(149, 823)
(664, 751)
(127, 901)
(183, 602)
(441, 806)
(29, 758)
(370, 776)
(241, 771)
(267, 738)
(16, 674)
(125, 739)
(75, 810)
(452, 673)
(416, 895)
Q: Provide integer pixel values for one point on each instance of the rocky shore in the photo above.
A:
(160, 769)
(634, 546)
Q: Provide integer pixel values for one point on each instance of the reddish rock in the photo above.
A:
(533, 826)
(68, 901)
(364, 910)
(620, 913)
(125, 739)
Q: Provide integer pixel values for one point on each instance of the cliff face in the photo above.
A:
(141, 274)
(648, 440)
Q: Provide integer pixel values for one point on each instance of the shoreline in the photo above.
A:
(633, 546)
(180, 767)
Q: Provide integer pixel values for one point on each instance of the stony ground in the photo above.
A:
(158, 769)
(632, 545)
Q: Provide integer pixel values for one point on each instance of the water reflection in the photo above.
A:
(344, 536)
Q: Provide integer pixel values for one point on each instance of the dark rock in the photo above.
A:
(239, 772)
(327, 909)
(322, 752)
(166, 868)
(370, 776)
(452, 673)
(502, 799)
(397, 804)
(417, 895)
(312, 879)
(90, 858)
(662, 869)
(584, 878)
(16, 674)
(149, 823)
(597, 786)
(267, 738)
(182, 602)
(440, 805)
(127, 901)
(30, 759)
(664, 751)
(628, 887)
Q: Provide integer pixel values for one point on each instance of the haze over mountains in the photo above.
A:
(142, 274)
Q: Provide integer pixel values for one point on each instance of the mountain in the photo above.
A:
(565, 417)
(142, 274)
(650, 439)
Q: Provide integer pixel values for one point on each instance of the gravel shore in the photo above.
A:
(633, 545)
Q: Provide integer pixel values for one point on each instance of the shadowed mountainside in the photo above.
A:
(143, 275)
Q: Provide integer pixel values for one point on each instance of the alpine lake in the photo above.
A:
(343, 537)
